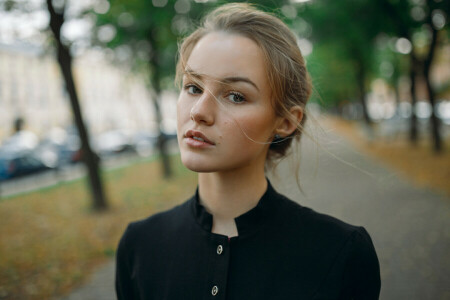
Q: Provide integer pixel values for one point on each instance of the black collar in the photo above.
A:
(247, 223)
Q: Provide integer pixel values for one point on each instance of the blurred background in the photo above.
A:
(88, 121)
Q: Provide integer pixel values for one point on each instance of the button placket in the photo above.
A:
(220, 258)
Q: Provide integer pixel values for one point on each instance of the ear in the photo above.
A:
(287, 125)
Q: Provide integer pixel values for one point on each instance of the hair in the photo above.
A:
(286, 70)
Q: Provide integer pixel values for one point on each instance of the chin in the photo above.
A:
(195, 164)
(204, 164)
(198, 167)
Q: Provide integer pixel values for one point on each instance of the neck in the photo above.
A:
(227, 195)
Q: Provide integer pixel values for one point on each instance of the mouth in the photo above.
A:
(198, 138)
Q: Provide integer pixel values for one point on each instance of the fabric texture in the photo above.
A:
(283, 251)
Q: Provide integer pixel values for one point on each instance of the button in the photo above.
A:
(219, 249)
(214, 290)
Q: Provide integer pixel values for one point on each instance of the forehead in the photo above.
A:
(222, 55)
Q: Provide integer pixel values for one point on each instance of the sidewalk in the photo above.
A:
(410, 227)
(100, 286)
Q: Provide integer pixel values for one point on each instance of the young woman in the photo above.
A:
(244, 90)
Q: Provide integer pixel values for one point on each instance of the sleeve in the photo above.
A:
(123, 282)
(362, 271)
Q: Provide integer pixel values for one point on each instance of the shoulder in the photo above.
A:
(362, 268)
(347, 250)
(301, 218)
(322, 231)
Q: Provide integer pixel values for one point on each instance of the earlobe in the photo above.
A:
(290, 123)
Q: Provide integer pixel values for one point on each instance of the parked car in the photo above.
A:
(20, 141)
(70, 150)
(170, 136)
(113, 142)
(59, 147)
(145, 142)
(16, 164)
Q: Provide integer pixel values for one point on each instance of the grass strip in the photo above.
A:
(50, 240)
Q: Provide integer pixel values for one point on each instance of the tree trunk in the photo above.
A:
(65, 64)
(361, 80)
(155, 81)
(435, 128)
(397, 97)
(413, 132)
(162, 140)
(395, 80)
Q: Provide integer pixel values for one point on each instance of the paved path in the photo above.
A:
(410, 227)
(99, 287)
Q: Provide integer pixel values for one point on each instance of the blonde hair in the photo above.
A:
(286, 70)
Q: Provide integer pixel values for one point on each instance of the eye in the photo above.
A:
(236, 97)
(192, 89)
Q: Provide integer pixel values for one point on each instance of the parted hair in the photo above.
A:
(286, 70)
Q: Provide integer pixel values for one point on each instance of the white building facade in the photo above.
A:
(31, 87)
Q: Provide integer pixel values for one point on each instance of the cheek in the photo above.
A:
(183, 111)
(183, 116)
(257, 126)
(248, 132)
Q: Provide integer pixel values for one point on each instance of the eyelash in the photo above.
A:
(238, 95)
(241, 97)
(190, 85)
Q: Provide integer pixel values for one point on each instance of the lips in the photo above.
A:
(198, 136)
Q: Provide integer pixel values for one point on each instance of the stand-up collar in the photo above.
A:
(246, 223)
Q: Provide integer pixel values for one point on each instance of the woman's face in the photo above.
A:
(224, 114)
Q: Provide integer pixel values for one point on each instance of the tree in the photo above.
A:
(65, 63)
(56, 10)
(426, 18)
(353, 25)
(142, 30)
(392, 64)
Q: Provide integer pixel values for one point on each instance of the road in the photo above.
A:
(410, 227)
(71, 172)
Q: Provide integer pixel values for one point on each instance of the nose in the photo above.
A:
(204, 109)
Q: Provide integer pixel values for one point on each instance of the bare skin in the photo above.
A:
(227, 196)
(236, 119)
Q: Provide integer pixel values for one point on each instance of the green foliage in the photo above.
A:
(134, 24)
(343, 33)
(389, 64)
(146, 36)
(332, 73)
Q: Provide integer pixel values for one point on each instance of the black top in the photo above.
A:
(283, 251)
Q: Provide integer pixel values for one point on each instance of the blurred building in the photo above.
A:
(31, 88)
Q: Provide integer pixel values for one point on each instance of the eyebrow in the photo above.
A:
(231, 79)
